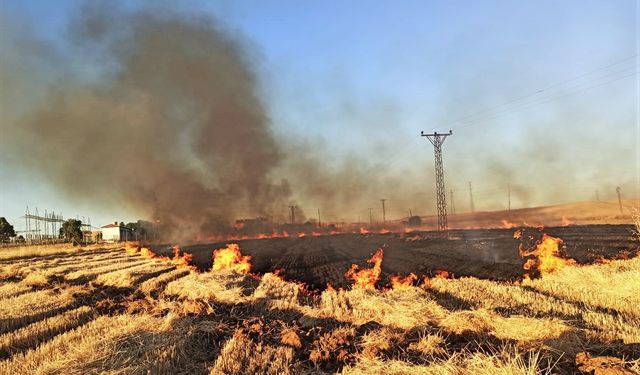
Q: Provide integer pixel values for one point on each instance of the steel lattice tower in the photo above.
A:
(441, 196)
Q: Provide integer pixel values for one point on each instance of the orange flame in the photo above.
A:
(507, 224)
(279, 273)
(131, 248)
(399, 282)
(566, 222)
(363, 231)
(366, 278)
(517, 234)
(442, 274)
(426, 282)
(182, 261)
(147, 253)
(230, 258)
(385, 231)
(302, 234)
(547, 257)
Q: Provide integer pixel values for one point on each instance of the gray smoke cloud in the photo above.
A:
(170, 123)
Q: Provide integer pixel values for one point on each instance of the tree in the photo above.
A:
(6, 230)
(71, 230)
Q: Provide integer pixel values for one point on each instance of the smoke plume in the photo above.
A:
(170, 123)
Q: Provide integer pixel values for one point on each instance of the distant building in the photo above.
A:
(116, 233)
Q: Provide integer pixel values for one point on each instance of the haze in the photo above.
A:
(204, 113)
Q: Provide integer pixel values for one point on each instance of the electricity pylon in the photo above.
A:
(441, 196)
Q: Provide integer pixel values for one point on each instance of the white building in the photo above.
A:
(116, 233)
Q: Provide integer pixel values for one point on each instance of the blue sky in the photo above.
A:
(364, 77)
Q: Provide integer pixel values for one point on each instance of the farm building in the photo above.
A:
(115, 233)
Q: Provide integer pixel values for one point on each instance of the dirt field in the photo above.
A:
(128, 311)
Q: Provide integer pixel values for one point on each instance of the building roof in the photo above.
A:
(110, 226)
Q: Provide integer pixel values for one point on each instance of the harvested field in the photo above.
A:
(131, 311)
(482, 253)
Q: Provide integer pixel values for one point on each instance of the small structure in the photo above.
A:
(116, 233)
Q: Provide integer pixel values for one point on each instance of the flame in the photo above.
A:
(131, 248)
(230, 258)
(279, 273)
(182, 261)
(301, 234)
(399, 282)
(363, 231)
(147, 253)
(426, 282)
(517, 234)
(316, 234)
(366, 278)
(540, 227)
(442, 274)
(507, 224)
(237, 237)
(547, 257)
(385, 231)
(566, 222)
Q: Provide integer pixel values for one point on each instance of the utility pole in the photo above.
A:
(370, 217)
(441, 196)
(471, 198)
(508, 197)
(293, 214)
(27, 228)
(453, 206)
(619, 198)
(384, 214)
(319, 222)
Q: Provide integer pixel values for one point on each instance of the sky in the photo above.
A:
(546, 82)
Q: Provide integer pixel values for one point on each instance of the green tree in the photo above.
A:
(6, 230)
(71, 230)
(139, 228)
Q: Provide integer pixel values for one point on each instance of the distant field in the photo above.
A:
(117, 311)
(579, 213)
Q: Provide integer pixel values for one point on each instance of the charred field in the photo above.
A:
(482, 253)
(137, 310)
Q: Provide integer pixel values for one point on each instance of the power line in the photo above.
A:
(542, 100)
(475, 118)
(467, 118)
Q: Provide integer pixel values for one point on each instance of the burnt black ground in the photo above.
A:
(483, 253)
